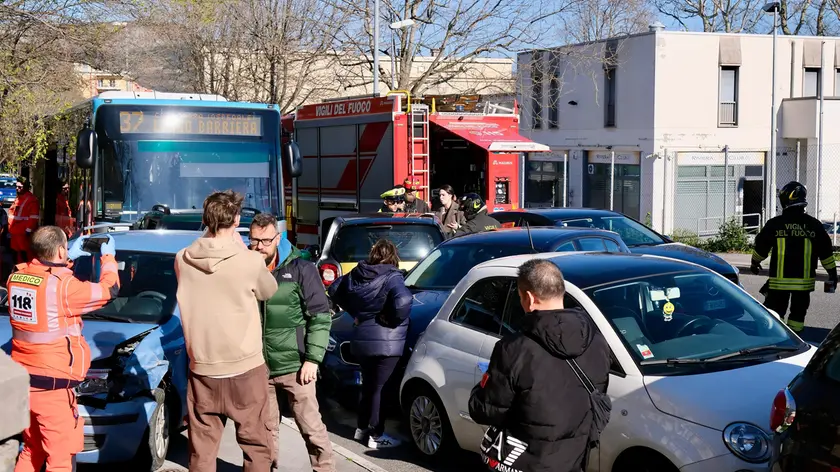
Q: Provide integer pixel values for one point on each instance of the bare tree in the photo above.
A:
(592, 20)
(728, 16)
(453, 34)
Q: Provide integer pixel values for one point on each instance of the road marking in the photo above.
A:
(340, 450)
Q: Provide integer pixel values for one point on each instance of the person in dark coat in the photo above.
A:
(374, 293)
(529, 390)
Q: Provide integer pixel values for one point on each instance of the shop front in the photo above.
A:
(712, 186)
(546, 184)
(624, 170)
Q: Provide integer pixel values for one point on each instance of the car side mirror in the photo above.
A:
(86, 147)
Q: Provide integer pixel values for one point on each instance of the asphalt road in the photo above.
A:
(823, 316)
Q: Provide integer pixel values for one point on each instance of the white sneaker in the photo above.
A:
(383, 442)
(361, 434)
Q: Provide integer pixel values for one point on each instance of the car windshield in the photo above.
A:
(447, 265)
(686, 315)
(147, 287)
(8, 183)
(413, 241)
(632, 232)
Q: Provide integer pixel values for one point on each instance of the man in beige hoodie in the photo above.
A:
(220, 284)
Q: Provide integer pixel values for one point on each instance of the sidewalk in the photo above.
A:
(742, 263)
(293, 456)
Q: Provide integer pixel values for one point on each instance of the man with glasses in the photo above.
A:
(296, 328)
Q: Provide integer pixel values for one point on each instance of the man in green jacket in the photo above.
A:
(296, 329)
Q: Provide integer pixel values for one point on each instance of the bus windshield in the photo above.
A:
(176, 156)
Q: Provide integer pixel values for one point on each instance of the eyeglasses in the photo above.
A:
(265, 242)
(390, 202)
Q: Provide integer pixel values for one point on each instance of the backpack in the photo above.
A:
(599, 402)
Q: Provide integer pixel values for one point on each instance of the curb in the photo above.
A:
(745, 270)
(340, 450)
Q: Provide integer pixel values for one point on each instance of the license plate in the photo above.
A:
(358, 378)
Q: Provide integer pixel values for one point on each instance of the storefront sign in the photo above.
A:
(718, 158)
(553, 156)
(601, 157)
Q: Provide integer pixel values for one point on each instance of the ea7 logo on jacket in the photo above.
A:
(497, 447)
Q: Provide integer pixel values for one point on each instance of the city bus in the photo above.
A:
(138, 153)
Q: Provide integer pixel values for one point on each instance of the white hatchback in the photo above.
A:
(695, 361)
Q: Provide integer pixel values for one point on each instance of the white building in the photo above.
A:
(667, 104)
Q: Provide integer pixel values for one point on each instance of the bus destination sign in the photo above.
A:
(220, 124)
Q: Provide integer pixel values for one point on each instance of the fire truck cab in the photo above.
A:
(355, 149)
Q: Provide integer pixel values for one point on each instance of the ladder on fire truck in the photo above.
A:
(418, 163)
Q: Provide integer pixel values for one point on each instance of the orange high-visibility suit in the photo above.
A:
(63, 215)
(45, 305)
(24, 216)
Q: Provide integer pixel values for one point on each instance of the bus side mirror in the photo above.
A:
(86, 147)
(293, 159)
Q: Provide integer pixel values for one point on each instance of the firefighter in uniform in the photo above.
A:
(393, 200)
(794, 241)
(45, 305)
(24, 216)
(475, 214)
(412, 203)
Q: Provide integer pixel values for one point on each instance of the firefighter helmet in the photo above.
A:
(793, 194)
(471, 204)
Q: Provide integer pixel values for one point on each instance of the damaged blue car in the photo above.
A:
(134, 397)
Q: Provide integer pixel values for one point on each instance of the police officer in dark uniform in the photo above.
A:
(475, 214)
(794, 241)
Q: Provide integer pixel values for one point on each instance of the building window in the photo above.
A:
(837, 82)
(112, 83)
(554, 93)
(100, 83)
(536, 90)
(728, 103)
(609, 97)
(811, 82)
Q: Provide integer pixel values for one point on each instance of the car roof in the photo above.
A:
(367, 218)
(564, 213)
(166, 241)
(589, 269)
(543, 237)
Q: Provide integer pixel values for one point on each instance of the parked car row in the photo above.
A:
(696, 361)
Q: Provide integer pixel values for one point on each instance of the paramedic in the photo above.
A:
(46, 303)
(24, 216)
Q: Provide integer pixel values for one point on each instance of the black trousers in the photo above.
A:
(376, 371)
(777, 300)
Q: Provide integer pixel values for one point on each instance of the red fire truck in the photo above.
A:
(355, 149)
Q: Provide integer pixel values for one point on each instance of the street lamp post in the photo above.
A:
(397, 25)
(376, 48)
(771, 165)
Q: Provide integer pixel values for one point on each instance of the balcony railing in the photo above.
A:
(728, 113)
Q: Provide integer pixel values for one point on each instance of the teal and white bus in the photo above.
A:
(150, 153)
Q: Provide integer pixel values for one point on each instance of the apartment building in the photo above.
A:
(685, 118)
(94, 82)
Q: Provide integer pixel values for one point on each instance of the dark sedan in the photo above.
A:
(805, 416)
(638, 237)
(433, 278)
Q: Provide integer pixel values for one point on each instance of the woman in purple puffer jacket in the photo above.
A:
(374, 293)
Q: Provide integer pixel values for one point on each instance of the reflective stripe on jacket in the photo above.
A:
(45, 306)
(24, 214)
